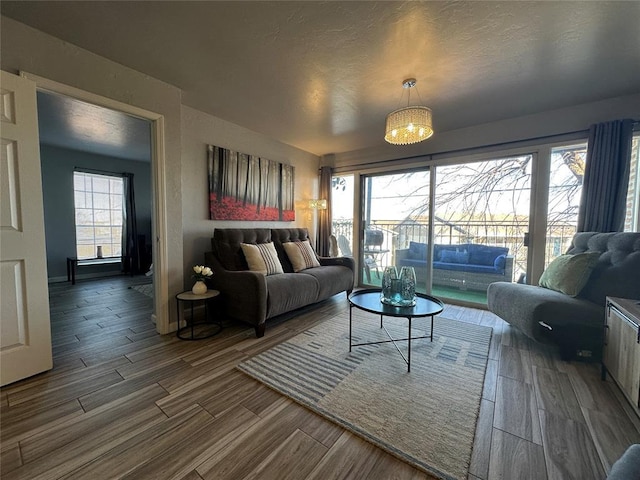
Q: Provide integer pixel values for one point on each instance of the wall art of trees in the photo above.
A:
(248, 187)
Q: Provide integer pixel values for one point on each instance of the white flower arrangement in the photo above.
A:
(201, 272)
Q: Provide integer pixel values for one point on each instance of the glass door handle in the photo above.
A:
(526, 239)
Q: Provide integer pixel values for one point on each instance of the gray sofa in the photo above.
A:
(576, 324)
(467, 266)
(252, 297)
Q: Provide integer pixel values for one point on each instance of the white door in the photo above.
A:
(25, 332)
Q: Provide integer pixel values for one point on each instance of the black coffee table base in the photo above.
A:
(426, 306)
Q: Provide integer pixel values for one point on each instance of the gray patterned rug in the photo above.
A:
(146, 289)
(426, 417)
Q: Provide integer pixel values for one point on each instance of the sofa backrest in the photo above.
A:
(225, 244)
(484, 254)
(617, 273)
(283, 235)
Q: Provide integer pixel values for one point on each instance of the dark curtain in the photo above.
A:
(606, 177)
(324, 216)
(130, 247)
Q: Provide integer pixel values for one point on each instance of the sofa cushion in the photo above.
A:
(453, 256)
(484, 254)
(262, 258)
(417, 251)
(331, 279)
(289, 291)
(301, 255)
(569, 273)
(523, 306)
(627, 467)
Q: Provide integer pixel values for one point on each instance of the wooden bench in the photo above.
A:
(73, 263)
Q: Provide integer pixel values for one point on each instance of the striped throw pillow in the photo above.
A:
(262, 258)
(301, 255)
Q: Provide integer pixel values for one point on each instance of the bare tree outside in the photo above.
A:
(486, 203)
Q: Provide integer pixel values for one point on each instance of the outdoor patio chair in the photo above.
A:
(369, 262)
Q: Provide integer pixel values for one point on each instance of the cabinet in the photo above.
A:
(621, 355)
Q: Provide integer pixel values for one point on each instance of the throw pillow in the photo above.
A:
(262, 258)
(417, 251)
(569, 273)
(301, 255)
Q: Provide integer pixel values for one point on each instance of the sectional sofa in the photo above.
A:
(467, 266)
(574, 323)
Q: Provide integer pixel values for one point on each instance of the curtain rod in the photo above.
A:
(513, 143)
(101, 172)
(472, 149)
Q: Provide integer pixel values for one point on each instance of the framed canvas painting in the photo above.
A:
(248, 187)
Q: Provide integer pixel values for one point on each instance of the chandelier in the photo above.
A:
(411, 124)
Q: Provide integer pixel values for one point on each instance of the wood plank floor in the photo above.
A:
(125, 402)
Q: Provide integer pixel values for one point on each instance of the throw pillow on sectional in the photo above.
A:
(569, 273)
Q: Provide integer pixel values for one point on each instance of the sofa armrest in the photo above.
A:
(244, 293)
(508, 268)
(348, 262)
(402, 254)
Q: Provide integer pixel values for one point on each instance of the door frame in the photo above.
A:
(159, 199)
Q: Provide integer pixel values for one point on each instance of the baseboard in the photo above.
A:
(84, 276)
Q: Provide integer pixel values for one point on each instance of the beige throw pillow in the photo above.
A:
(301, 255)
(262, 258)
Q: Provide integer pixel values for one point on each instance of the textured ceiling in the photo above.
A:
(323, 75)
(70, 123)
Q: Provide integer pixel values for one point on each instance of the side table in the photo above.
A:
(192, 299)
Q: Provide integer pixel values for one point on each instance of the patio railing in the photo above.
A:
(398, 235)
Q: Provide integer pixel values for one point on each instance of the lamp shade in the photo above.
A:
(408, 125)
(318, 204)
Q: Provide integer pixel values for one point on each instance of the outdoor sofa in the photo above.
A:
(575, 323)
(253, 297)
(467, 266)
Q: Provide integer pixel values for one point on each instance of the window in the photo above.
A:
(98, 211)
(566, 174)
(632, 217)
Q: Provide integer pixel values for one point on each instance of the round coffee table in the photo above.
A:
(369, 301)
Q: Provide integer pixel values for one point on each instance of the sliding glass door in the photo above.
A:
(474, 236)
(481, 220)
(395, 217)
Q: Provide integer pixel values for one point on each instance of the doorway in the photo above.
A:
(96, 182)
(160, 315)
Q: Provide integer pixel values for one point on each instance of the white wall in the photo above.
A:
(550, 123)
(200, 129)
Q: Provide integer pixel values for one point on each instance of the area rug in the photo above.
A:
(426, 417)
(146, 289)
